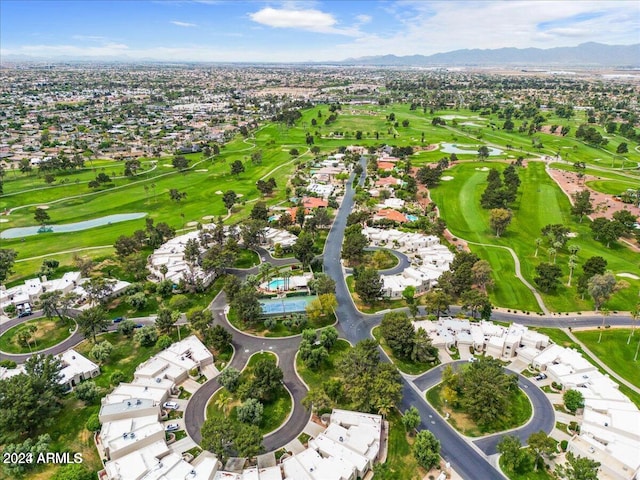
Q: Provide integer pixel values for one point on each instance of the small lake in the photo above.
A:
(71, 227)
(453, 148)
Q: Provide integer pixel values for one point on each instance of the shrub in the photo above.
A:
(164, 342)
(563, 445)
(87, 391)
(93, 423)
(116, 377)
(8, 364)
(270, 323)
(146, 336)
(250, 412)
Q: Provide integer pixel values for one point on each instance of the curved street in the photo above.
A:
(468, 458)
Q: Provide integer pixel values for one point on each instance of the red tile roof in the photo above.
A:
(390, 214)
(313, 202)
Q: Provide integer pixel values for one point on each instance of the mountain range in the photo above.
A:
(589, 54)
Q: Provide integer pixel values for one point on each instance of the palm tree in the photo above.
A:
(223, 401)
(572, 264)
(538, 243)
(634, 316)
(574, 249)
(605, 313)
(286, 275)
(552, 252)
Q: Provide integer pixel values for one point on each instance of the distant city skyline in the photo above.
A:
(300, 31)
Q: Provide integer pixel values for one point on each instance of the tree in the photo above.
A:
(578, 468)
(486, 390)
(260, 212)
(601, 287)
(481, 271)
(219, 338)
(547, 277)
(573, 400)
(50, 303)
(127, 327)
(538, 243)
(582, 204)
(397, 330)
(146, 336)
(88, 392)
(541, 445)
(237, 168)
(411, 419)
(229, 378)
(245, 303)
(437, 302)
(166, 319)
(250, 412)
(483, 152)
(606, 230)
(226, 438)
(99, 289)
(368, 285)
(475, 301)
(426, 449)
(499, 218)
(229, 199)
(626, 219)
(180, 162)
(7, 259)
(101, 351)
(622, 148)
(511, 452)
(303, 248)
(30, 400)
(354, 243)
(41, 216)
(423, 350)
(323, 283)
(267, 378)
(92, 321)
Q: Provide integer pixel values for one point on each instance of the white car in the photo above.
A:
(170, 405)
(171, 427)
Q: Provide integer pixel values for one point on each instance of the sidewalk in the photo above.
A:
(599, 362)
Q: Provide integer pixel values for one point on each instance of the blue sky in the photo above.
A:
(283, 31)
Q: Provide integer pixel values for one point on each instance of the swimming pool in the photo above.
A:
(276, 284)
(280, 306)
(412, 218)
(72, 227)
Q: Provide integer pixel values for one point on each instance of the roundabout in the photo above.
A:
(36, 334)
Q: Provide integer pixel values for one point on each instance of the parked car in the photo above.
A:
(118, 319)
(541, 376)
(24, 314)
(138, 325)
(472, 359)
(170, 405)
(171, 427)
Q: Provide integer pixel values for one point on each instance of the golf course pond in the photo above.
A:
(468, 150)
(70, 227)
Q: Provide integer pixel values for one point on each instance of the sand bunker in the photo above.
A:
(483, 169)
(191, 224)
(628, 275)
(43, 207)
(3, 220)
(218, 192)
(208, 217)
(167, 165)
(202, 170)
(446, 179)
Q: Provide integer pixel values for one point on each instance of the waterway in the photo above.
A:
(20, 232)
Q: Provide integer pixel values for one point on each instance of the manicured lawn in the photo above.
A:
(459, 202)
(615, 351)
(247, 259)
(275, 411)
(50, 332)
(520, 412)
(406, 366)
(376, 306)
(389, 260)
(400, 459)
(328, 369)
(541, 474)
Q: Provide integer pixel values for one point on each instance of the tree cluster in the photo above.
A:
(314, 348)
(499, 194)
(404, 341)
(483, 389)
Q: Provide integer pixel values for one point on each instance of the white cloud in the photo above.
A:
(362, 19)
(310, 19)
(183, 24)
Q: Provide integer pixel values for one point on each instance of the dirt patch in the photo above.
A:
(556, 132)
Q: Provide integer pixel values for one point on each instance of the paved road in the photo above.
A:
(403, 262)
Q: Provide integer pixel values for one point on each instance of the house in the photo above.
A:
(313, 202)
(391, 215)
(76, 368)
(29, 292)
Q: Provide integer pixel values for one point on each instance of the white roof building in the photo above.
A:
(30, 291)
(76, 368)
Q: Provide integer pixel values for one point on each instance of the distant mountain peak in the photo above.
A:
(591, 54)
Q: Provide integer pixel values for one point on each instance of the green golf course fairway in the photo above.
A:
(539, 202)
